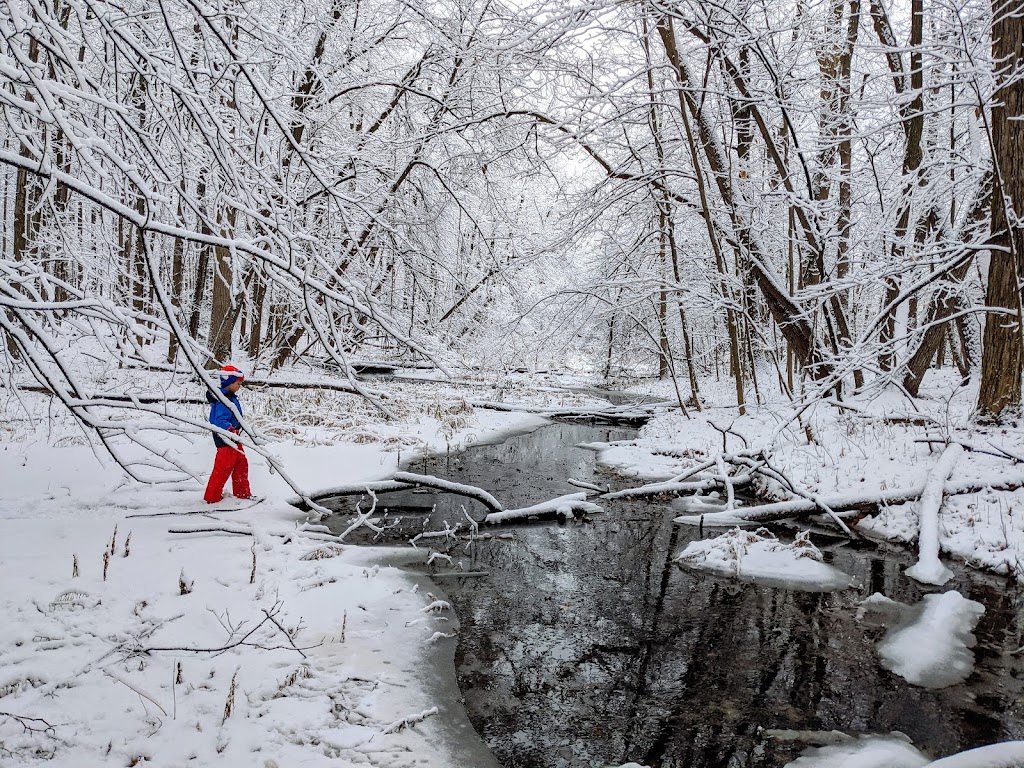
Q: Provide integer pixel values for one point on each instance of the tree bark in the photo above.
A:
(222, 311)
(913, 127)
(999, 393)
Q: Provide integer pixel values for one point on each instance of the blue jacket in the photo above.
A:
(221, 416)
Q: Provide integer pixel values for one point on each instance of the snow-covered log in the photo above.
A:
(929, 569)
(587, 486)
(624, 414)
(244, 530)
(459, 489)
(563, 506)
(695, 486)
(847, 502)
(354, 489)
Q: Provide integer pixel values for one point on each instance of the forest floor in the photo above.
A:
(127, 641)
(131, 636)
(871, 445)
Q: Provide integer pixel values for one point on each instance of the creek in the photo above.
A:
(584, 645)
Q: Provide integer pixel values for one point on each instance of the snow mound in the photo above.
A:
(933, 650)
(1009, 754)
(759, 557)
(892, 751)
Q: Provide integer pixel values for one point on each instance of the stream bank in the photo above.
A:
(584, 645)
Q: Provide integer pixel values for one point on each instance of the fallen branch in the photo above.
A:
(363, 518)
(991, 450)
(696, 486)
(588, 486)
(238, 530)
(410, 720)
(30, 724)
(141, 694)
(269, 617)
(207, 511)
(563, 506)
(352, 489)
(846, 502)
(929, 569)
(472, 492)
(628, 414)
(241, 530)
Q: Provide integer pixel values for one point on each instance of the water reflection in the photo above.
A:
(586, 646)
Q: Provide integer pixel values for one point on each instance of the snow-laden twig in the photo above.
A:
(410, 720)
(436, 607)
(30, 724)
(235, 641)
(439, 556)
(439, 636)
(447, 533)
(362, 518)
(141, 693)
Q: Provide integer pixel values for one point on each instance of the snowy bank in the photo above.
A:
(251, 640)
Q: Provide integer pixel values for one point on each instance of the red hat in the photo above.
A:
(229, 374)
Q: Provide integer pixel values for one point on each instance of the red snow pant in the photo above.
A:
(230, 462)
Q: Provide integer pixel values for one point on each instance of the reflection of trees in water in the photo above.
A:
(587, 646)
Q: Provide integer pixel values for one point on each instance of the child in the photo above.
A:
(231, 461)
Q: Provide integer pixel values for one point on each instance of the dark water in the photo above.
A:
(584, 646)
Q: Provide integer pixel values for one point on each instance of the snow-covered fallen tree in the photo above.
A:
(564, 506)
(848, 502)
(929, 569)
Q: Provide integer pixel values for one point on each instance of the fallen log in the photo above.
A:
(588, 486)
(563, 506)
(849, 503)
(929, 569)
(117, 398)
(695, 486)
(242, 530)
(353, 489)
(614, 415)
(429, 481)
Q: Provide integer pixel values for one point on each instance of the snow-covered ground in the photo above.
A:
(133, 636)
(871, 445)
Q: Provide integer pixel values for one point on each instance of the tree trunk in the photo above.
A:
(944, 303)
(258, 297)
(1001, 350)
(913, 127)
(787, 314)
(199, 291)
(222, 311)
(177, 284)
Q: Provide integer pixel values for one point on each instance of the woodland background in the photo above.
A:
(804, 198)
